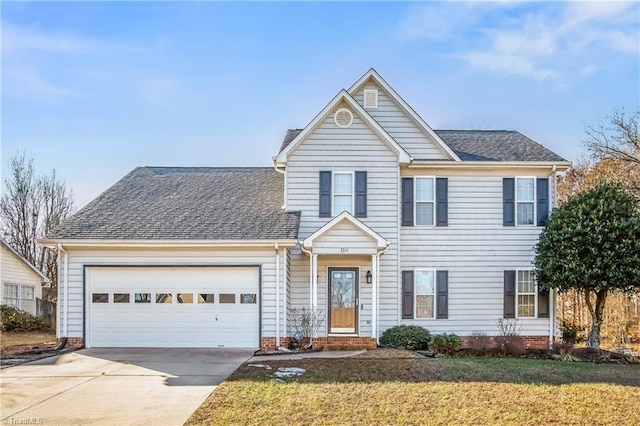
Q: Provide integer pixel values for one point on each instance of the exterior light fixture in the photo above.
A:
(369, 277)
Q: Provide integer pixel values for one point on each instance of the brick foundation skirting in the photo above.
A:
(326, 343)
(533, 342)
(74, 342)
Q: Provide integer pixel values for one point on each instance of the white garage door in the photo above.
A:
(173, 307)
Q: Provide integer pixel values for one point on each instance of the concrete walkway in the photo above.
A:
(142, 386)
(322, 354)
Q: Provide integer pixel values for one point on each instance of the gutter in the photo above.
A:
(53, 242)
(417, 164)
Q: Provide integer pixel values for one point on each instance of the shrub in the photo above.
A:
(570, 333)
(480, 342)
(509, 340)
(412, 337)
(13, 319)
(446, 344)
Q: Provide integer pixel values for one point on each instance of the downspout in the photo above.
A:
(65, 285)
(377, 285)
(310, 274)
(277, 296)
(275, 167)
(285, 293)
(552, 305)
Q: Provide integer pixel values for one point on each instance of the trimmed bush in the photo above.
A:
(479, 342)
(412, 337)
(445, 344)
(570, 333)
(13, 319)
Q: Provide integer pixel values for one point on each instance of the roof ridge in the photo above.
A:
(206, 167)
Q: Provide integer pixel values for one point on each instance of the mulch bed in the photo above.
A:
(21, 354)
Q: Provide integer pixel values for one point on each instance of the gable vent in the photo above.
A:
(371, 98)
(343, 118)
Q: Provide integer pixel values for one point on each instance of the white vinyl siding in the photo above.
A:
(476, 249)
(525, 201)
(526, 294)
(14, 272)
(419, 144)
(424, 200)
(345, 150)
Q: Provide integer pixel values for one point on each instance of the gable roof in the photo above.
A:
(342, 96)
(483, 145)
(496, 145)
(187, 203)
(381, 243)
(372, 74)
(24, 261)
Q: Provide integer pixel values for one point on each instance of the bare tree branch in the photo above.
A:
(32, 206)
(618, 139)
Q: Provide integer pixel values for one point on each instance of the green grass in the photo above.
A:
(371, 391)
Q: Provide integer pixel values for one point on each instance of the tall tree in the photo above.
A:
(592, 243)
(618, 139)
(30, 207)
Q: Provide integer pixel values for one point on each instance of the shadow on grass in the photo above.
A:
(497, 370)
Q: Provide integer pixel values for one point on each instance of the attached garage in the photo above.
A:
(172, 306)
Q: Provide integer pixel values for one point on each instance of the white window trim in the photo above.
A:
(19, 297)
(333, 192)
(535, 295)
(364, 98)
(415, 293)
(535, 200)
(415, 200)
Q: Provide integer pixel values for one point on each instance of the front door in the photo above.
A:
(343, 300)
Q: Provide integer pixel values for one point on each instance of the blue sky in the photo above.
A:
(96, 89)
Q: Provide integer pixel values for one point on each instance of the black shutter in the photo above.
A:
(543, 302)
(442, 291)
(407, 201)
(509, 201)
(407, 294)
(325, 194)
(509, 294)
(542, 191)
(442, 196)
(361, 194)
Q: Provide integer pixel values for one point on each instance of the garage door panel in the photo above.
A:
(174, 324)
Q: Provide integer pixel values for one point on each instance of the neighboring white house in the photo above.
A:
(21, 281)
(368, 215)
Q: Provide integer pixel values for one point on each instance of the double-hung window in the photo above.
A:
(424, 200)
(28, 298)
(526, 294)
(525, 200)
(522, 296)
(425, 293)
(342, 192)
(22, 297)
(11, 295)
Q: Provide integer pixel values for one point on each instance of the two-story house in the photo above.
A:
(368, 216)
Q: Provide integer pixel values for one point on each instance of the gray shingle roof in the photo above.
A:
(495, 145)
(187, 203)
(481, 145)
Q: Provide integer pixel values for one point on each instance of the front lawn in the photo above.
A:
(386, 391)
(12, 341)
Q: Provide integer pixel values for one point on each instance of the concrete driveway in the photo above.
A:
(115, 386)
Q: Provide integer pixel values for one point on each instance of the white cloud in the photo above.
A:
(536, 40)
